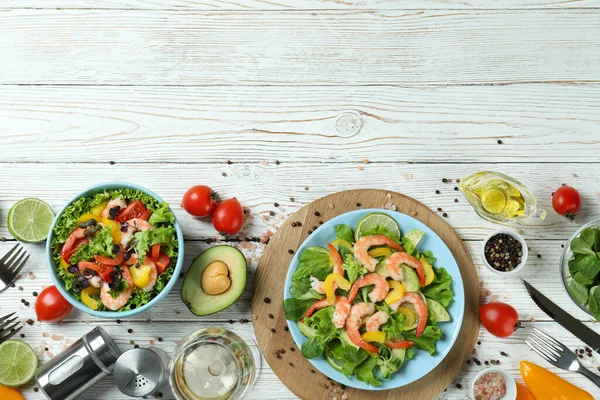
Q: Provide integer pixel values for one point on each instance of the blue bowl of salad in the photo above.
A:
(115, 250)
(397, 310)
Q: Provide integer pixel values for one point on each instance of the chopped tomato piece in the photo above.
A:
(162, 263)
(102, 270)
(145, 215)
(133, 210)
(67, 254)
(155, 252)
(109, 261)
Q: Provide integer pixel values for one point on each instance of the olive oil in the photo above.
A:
(499, 198)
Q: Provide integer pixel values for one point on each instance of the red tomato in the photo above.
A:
(566, 201)
(499, 319)
(228, 218)
(146, 215)
(67, 253)
(200, 201)
(162, 263)
(155, 252)
(134, 210)
(109, 261)
(51, 306)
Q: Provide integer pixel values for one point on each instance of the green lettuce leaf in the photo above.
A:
(427, 340)
(394, 326)
(101, 244)
(440, 289)
(165, 236)
(295, 309)
(162, 214)
(314, 261)
(321, 321)
(344, 232)
(352, 356)
(388, 364)
(365, 372)
(354, 269)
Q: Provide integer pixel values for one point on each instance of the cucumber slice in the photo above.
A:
(346, 339)
(306, 330)
(410, 279)
(381, 269)
(399, 354)
(439, 312)
(415, 236)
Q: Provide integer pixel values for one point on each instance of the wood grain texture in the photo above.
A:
(259, 186)
(270, 277)
(402, 47)
(296, 4)
(536, 122)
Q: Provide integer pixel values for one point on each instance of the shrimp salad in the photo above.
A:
(115, 250)
(369, 300)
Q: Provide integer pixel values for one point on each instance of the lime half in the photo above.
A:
(29, 220)
(18, 363)
(377, 223)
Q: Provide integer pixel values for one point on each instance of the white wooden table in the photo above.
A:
(246, 96)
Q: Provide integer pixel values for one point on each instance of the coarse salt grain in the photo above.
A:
(490, 386)
(344, 396)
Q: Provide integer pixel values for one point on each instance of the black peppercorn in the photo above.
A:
(437, 192)
(267, 300)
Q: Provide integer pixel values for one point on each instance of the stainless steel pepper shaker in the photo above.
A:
(142, 372)
(84, 363)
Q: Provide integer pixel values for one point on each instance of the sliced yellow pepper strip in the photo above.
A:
(411, 317)
(343, 243)
(380, 252)
(140, 276)
(330, 290)
(548, 386)
(396, 293)
(87, 299)
(63, 263)
(115, 229)
(374, 336)
(97, 210)
(86, 217)
(429, 274)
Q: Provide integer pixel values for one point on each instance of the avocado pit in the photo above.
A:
(215, 278)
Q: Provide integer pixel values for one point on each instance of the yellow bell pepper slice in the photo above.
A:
(97, 210)
(87, 299)
(330, 290)
(343, 243)
(374, 336)
(543, 384)
(63, 263)
(396, 293)
(410, 316)
(429, 274)
(380, 252)
(140, 276)
(86, 217)
(115, 229)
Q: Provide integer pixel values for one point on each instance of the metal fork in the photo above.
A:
(6, 329)
(558, 354)
(10, 266)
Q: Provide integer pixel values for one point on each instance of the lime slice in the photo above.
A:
(377, 223)
(29, 220)
(18, 363)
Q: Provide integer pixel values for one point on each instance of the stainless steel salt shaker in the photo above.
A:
(84, 363)
(141, 372)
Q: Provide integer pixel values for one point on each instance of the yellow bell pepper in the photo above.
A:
(97, 210)
(9, 393)
(86, 217)
(337, 243)
(523, 393)
(87, 299)
(115, 229)
(140, 276)
(429, 274)
(63, 263)
(543, 384)
(374, 336)
(330, 290)
(410, 315)
(380, 252)
(396, 293)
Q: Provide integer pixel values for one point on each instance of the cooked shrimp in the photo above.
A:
(119, 202)
(399, 344)
(393, 266)
(377, 294)
(354, 321)
(134, 225)
(420, 308)
(76, 235)
(153, 275)
(362, 246)
(376, 320)
(317, 285)
(123, 297)
(337, 259)
(342, 310)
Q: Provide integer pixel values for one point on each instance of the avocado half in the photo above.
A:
(196, 299)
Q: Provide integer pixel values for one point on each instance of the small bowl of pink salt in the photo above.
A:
(493, 384)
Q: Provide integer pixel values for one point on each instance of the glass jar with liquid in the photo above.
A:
(499, 198)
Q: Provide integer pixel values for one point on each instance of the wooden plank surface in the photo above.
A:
(296, 4)
(536, 123)
(128, 47)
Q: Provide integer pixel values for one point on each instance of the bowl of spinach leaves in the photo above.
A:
(580, 268)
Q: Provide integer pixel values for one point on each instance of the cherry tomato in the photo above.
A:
(499, 319)
(51, 306)
(566, 201)
(228, 217)
(155, 252)
(200, 201)
(135, 209)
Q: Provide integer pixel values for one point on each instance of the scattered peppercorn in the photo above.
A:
(244, 321)
(294, 223)
(305, 187)
(539, 256)
(36, 389)
(271, 316)
(457, 180)
(343, 387)
(30, 321)
(129, 330)
(292, 199)
(135, 346)
(267, 300)
(468, 362)
(456, 200)
(26, 303)
(23, 301)
(229, 162)
(444, 180)
(444, 215)
(486, 362)
(291, 364)
(277, 162)
(160, 339)
(458, 386)
(132, 342)
(291, 251)
(298, 223)
(22, 335)
(112, 163)
(317, 214)
(503, 252)
(479, 342)
(437, 192)
(358, 204)
(231, 321)
(272, 213)
(562, 246)
(46, 349)
(285, 328)
(456, 188)
(580, 356)
(493, 362)
(312, 371)
(35, 294)
(118, 321)
(20, 288)
(309, 231)
(588, 349)
(273, 330)
(439, 209)
(580, 351)
(476, 361)
(278, 355)
(499, 141)
(315, 228)
(320, 222)
(292, 349)
(224, 173)
(502, 353)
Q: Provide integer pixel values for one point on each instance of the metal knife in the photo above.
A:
(568, 322)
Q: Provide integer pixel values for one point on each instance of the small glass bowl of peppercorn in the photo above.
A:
(504, 252)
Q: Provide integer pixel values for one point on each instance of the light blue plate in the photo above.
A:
(422, 363)
(70, 297)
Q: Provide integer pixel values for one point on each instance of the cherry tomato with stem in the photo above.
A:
(200, 201)
(566, 201)
(228, 217)
(51, 306)
(500, 319)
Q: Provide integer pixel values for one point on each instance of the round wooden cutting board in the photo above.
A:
(290, 366)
